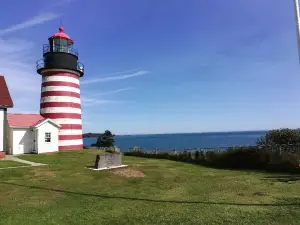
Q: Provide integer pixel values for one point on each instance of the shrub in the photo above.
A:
(110, 151)
(280, 140)
(197, 155)
(286, 162)
(241, 158)
(137, 149)
(234, 158)
(278, 151)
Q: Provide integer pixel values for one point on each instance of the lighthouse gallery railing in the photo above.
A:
(40, 64)
(59, 48)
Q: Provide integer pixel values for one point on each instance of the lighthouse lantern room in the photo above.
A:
(60, 53)
(60, 91)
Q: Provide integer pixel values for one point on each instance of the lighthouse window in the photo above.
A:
(60, 45)
(47, 137)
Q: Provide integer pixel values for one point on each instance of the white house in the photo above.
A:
(31, 133)
(5, 102)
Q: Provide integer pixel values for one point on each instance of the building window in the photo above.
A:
(47, 137)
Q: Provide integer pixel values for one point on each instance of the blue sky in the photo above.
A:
(155, 66)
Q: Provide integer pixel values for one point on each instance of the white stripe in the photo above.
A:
(60, 99)
(69, 142)
(61, 88)
(60, 78)
(70, 132)
(60, 110)
(67, 121)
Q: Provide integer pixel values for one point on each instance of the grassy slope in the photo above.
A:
(8, 163)
(171, 193)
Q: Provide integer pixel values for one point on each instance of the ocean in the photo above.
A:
(167, 142)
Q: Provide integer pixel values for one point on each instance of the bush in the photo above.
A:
(137, 149)
(286, 162)
(280, 140)
(242, 158)
(252, 157)
(197, 155)
(277, 151)
(110, 151)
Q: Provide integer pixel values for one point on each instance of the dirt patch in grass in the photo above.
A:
(259, 193)
(128, 172)
(44, 173)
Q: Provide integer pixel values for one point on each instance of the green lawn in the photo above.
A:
(65, 192)
(8, 163)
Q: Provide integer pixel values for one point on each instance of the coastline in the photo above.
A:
(184, 141)
(94, 135)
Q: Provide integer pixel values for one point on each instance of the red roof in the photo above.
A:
(62, 34)
(5, 99)
(24, 120)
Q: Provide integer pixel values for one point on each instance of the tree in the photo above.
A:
(105, 139)
(287, 140)
(280, 137)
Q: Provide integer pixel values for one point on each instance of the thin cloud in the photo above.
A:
(122, 72)
(91, 101)
(119, 77)
(113, 91)
(38, 19)
(23, 82)
(17, 65)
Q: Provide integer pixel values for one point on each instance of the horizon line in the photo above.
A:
(206, 132)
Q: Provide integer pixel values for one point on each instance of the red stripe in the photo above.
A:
(60, 104)
(2, 155)
(61, 115)
(56, 73)
(60, 93)
(70, 147)
(60, 83)
(70, 137)
(71, 126)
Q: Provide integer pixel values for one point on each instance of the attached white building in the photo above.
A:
(5, 102)
(31, 133)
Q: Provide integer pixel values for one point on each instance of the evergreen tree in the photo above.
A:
(105, 140)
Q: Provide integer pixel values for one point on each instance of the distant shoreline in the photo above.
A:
(95, 135)
(183, 140)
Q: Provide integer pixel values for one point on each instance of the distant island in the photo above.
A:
(91, 135)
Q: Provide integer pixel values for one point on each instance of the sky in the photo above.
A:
(169, 66)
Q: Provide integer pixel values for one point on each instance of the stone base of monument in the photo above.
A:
(108, 161)
(108, 168)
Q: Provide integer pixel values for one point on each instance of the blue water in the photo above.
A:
(184, 141)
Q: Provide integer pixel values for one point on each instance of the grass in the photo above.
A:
(65, 192)
(8, 163)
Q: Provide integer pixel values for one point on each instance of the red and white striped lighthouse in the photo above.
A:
(60, 91)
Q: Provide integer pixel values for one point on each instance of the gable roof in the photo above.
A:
(27, 120)
(45, 121)
(5, 99)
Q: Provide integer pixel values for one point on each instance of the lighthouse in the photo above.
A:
(60, 89)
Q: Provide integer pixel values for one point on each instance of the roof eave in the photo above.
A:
(6, 106)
